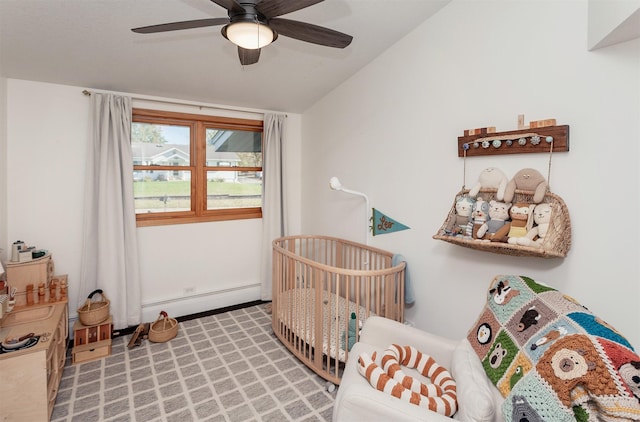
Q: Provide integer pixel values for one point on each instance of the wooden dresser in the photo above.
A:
(30, 377)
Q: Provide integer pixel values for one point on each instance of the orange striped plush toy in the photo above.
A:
(438, 397)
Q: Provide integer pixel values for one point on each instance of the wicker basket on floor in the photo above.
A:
(557, 240)
(163, 329)
(94, 312)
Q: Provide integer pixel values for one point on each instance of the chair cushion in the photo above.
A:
(478, 399)
(357, 400)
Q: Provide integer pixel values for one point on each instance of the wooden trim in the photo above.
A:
(219, 122)
(224, 168)
(139, 167)
(164, 220)
(560, 136)
(198, 124)
(199, 190)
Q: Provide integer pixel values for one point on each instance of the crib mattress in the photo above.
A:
(297, 312)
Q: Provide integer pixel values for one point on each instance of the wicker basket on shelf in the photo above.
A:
(94, 312)
(557, 239)
(163, 329)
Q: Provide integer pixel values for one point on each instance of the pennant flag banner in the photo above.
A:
(383, 224)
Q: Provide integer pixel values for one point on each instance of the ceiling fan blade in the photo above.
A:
(310, 33)
(248, 57)
(273, 8)
(230, 5)
(175, 26)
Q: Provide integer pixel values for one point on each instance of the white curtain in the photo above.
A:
(110, 251)
(274, 218)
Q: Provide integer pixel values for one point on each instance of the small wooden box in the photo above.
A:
(91, 351)
(19, 274)
(87, 334)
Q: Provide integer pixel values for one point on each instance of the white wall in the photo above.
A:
(3, 170)
(391, 132)
(47, 134)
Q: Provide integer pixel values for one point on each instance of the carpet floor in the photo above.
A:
(224, 367)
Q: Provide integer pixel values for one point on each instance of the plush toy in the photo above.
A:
(521, 221)
(529, 180)
(497, 227)
(542, 218)
(351, 336)
(458, 224)
(490, 177)
(479, 216)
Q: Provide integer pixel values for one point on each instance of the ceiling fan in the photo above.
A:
(253, 24)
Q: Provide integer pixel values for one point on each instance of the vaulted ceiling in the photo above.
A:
(89, 43)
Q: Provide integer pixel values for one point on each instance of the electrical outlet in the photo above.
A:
(188, 290)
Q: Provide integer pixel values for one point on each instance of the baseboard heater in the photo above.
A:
(197, 296)
(195, 305)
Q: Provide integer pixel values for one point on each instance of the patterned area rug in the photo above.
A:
(225, 367)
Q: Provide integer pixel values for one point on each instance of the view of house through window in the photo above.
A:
(191, 168)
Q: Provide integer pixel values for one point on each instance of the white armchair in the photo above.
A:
(357, 400)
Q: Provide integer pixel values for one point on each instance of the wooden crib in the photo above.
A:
(343, 277)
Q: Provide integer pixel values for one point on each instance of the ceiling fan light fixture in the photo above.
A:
(249, 35)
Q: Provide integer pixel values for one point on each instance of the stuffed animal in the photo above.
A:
(497, 228)
(458, 224)
(490, 177)
(528, 180)
(536, 236)
(521, 221)
(479, 216)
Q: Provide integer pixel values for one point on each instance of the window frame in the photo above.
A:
(198, 124)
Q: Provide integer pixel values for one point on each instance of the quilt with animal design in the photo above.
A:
(552, 358)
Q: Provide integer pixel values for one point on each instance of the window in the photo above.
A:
(191, 168)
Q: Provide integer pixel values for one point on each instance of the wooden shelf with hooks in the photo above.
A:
(498, 142)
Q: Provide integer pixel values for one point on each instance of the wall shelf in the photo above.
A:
(498, 143)
(557, 240)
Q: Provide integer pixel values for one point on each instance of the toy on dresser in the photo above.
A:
(53, 290)
(30, 282)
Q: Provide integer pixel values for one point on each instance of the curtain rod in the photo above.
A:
(188, 103)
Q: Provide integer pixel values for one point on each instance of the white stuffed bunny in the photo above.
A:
(492, 178)
(536, 236)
